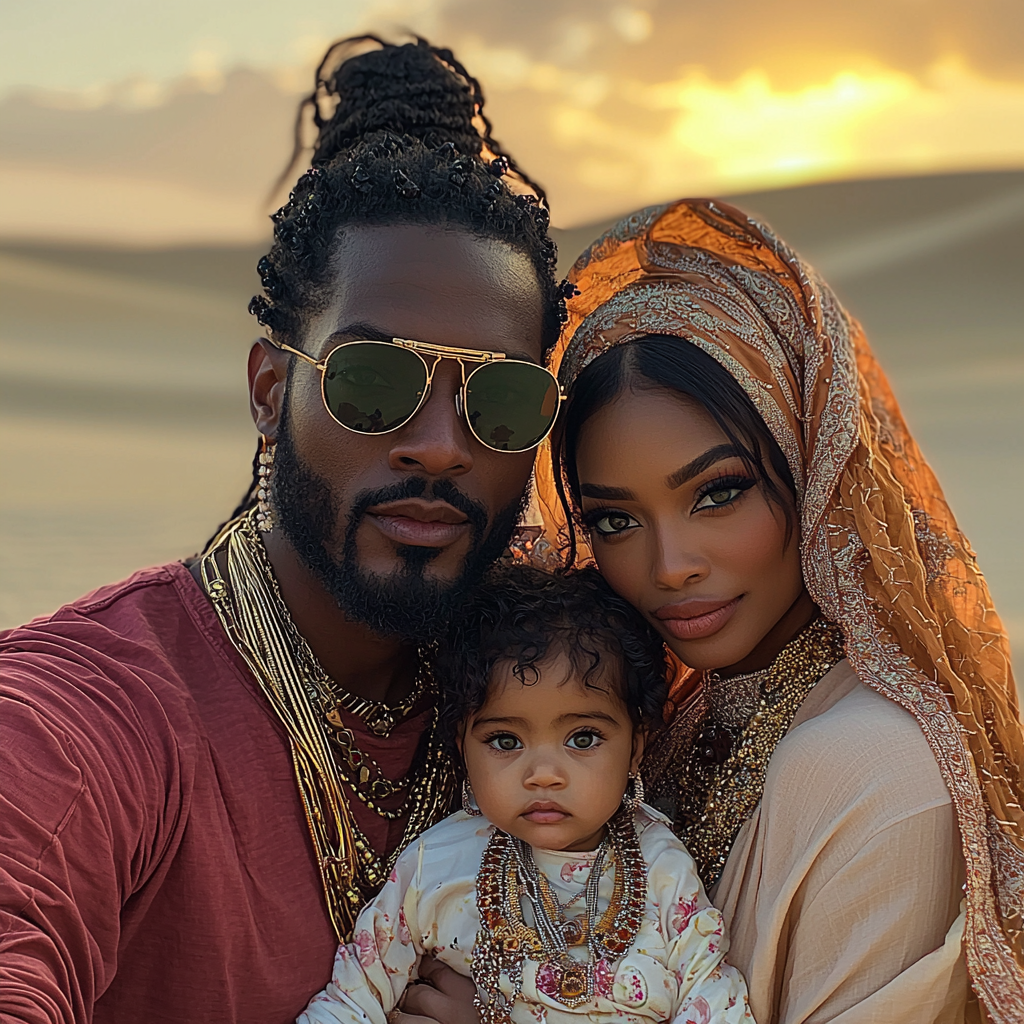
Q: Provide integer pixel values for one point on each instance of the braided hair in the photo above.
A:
(401, 139)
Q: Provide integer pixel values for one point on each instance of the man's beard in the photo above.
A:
(407, 604)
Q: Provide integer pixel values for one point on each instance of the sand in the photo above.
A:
(125, 436)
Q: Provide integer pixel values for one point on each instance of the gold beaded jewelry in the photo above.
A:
(256, 620)
(508, 874)
(380, 718)
(468, 803)
(712, 764)
(634, 795)
(360, 772)
(264, 510)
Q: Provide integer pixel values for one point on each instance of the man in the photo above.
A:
(204, 770)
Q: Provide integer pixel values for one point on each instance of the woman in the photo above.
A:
(845, 751)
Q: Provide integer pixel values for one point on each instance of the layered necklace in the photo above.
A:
(708, 768)
(509, 880)
(324, 751)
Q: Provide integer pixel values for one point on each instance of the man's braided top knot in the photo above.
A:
(401, 138)
(404, 87)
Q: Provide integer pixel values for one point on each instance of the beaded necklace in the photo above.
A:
(709, 767)
(256, 620)
(508, 876)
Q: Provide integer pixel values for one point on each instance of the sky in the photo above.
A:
(612, 104)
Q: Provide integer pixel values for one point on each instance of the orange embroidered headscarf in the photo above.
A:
(882, 555)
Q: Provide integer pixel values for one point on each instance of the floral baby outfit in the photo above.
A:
(674, 971)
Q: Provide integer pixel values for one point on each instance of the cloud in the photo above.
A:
(611, 104)
(749, 133)
(702, 97)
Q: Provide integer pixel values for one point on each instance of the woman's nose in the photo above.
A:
(675, 561)
(436, 441)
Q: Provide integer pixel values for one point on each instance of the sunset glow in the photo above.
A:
(611, 105)
(718, 137)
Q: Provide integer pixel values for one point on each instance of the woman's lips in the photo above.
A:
(696, 620)
(420, 523)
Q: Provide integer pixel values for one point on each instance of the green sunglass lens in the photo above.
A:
(511, 406)
(372, 386)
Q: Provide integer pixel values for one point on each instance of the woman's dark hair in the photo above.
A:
(397, 142)
(666, 363)
(520, 615)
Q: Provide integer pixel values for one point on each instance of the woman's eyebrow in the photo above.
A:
(701, 463)
(608, 493)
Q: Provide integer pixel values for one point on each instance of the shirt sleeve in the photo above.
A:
(710, 990)
(864, 922)
(373, 970)
(82, 794)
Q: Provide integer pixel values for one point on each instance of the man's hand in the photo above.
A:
(441, 996)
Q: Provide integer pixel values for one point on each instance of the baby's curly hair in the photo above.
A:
(520, 614)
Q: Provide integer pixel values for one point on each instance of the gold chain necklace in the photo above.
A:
(380, 718)
(714, 771)
(361, 773)
(257, 622)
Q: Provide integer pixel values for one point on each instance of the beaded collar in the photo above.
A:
(708, 768)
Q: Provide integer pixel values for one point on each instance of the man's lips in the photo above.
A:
(429, 524)
(696, 619)
(545, 812)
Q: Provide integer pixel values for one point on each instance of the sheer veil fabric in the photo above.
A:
(882, 554)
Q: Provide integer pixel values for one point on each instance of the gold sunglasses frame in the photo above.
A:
(439, 352)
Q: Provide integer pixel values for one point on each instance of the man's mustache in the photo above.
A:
(417, 487)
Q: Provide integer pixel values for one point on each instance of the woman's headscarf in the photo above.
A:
(882, 555)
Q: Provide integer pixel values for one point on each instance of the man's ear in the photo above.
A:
(639, 743)
(268, 375)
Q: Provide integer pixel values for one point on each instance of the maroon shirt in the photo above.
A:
(155, 862)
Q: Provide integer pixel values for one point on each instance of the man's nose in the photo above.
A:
(436, 441)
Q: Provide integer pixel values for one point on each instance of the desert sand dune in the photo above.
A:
(126, 435)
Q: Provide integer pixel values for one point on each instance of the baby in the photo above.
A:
(555, 888)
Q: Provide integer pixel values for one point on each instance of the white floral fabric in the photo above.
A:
(674, 971)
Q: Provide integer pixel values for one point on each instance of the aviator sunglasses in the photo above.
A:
(374, 387)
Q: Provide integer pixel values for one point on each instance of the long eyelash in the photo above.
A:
(588, 730)
(495, 735)
(723, 483)
(592, 517)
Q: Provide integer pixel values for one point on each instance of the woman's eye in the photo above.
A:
(504, 742)
(613, 522)
(583, 740)
(719, 497)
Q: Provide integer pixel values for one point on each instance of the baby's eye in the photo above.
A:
(505, 741)
(583, 740)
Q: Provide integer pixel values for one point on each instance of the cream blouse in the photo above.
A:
(673, 972)
(843, 889)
